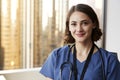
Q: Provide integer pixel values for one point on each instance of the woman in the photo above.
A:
(80, 58)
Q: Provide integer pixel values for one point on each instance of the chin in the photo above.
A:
(80, 41)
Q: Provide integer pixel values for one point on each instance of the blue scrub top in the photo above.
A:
(51, 67)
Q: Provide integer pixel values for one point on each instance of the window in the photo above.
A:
(31, 29)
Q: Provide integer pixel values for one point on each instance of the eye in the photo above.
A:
(73, 23)
(84, 23)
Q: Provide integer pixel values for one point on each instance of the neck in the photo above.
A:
(83, 48)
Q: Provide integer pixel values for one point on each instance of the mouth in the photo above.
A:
(80, 34)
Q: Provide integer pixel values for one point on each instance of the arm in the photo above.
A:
(113, 72)
(47, 69)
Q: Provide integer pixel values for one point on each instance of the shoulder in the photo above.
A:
(57, 54)
(108, 54)
(60, 50)
(112, 64)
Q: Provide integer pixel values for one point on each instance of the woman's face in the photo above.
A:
(80, 26)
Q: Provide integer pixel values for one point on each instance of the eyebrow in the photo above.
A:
(85, 20)
(82, 21)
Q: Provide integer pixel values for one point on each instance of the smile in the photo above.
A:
(80, 35)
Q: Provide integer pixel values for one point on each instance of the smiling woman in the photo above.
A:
(80, 58)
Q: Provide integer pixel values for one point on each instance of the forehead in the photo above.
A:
(79, 16)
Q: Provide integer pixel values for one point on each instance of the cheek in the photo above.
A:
(89, 32)
(69, 29)
(89, 29)
(72, 30)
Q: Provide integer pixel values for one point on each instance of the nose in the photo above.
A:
(79, 27)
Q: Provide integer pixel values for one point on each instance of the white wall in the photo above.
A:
(113, 26)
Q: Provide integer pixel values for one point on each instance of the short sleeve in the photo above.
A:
(113, 68)
(48, 67)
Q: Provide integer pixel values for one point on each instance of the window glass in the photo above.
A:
(10, 36)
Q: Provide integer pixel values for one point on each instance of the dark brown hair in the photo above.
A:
(96, 33)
